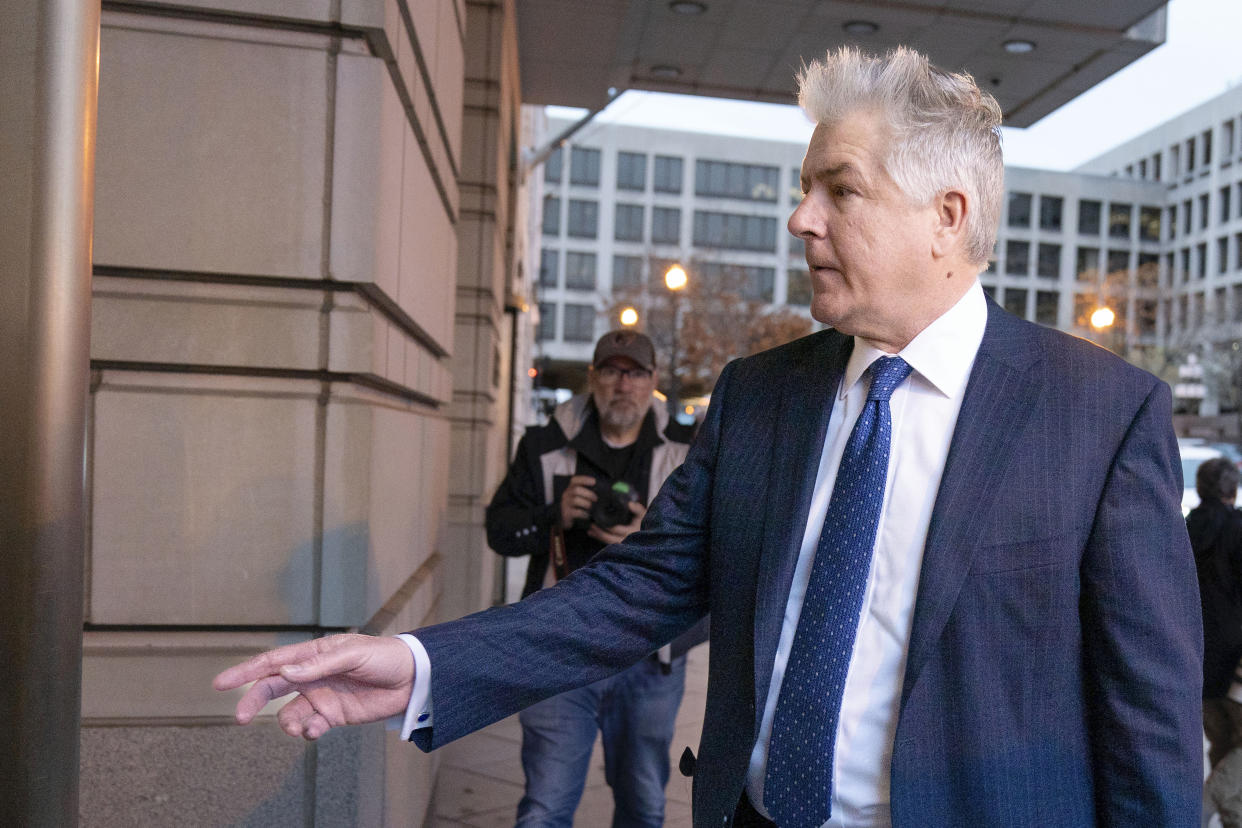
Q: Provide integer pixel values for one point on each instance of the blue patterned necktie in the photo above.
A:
(798, 783)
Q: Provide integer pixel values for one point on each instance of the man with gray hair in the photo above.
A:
(942, 547)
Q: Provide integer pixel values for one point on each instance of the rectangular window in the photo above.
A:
(798, 287)
(1148, 270)
(628, 222)
(1206, 141)
(1087, 263)
(1155, 167)
(552, 167)
(631, 171)
(1118, 265)
(1237, 250)
(732, 231)
(1088, 217)
(1048, 261)
(547, 322)
(580, 270)
(583, 219)
(1185, 251)
(579, 323)
(1145, 311)
(1218, 302)
(1203, 211)
(1183, 304)
(1046, 302)
(1222, 254)
(1084, 304)
(1190, 154)
(1149, 224)
(1226, 140)
(725, 179)
(667, 174)
(551, 216)
(1170, 267)
(1050, 213)
(584, 166)
(1236, 293)
(1188, 223)
(1172, 221)
(666, 225)
(549, 267)
(1143, 168)
(1119, 221)
(1017, 257)
(1019, 209)
(1197, 316)
(1175, 160)
(1201, 260)
(1015, 301)
(752, 282)
(1225, 192)
(795, 185)
(627, 271)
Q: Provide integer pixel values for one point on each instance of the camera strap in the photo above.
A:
(560, 566)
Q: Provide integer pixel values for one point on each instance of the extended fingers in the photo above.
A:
(264, 664)
(260, 693)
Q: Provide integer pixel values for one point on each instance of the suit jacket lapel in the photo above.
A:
(1000, 396)
(804, 409)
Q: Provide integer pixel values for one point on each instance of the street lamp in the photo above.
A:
(629, 317)
(675, 280)
(1103, 317)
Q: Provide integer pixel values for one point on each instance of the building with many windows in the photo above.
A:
(1151, 230)
(619, 201)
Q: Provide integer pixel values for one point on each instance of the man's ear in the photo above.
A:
(950, 231)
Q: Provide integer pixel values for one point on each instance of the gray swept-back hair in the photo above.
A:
(944, 130)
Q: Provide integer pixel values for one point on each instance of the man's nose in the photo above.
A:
(806, 221)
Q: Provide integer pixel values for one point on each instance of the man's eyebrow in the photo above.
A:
(844, 168)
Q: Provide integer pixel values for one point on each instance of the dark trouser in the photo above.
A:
(747, 817)
(1222, 724)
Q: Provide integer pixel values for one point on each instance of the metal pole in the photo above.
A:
(49, 65)
(674, 380)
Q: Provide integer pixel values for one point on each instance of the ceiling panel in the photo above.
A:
(572, 52)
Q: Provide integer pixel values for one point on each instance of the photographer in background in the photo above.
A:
(576, 485)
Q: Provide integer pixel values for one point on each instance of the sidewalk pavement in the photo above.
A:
(480, 779)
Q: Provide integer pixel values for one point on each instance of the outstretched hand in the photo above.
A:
(340, 680)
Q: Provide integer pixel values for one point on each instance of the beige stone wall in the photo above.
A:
(302, 257)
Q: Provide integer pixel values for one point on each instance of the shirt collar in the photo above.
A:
(942, 353)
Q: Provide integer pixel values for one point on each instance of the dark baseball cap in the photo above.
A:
(625, 343)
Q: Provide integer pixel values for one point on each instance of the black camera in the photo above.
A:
(612, 503)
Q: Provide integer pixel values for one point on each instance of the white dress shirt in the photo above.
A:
(924, 414)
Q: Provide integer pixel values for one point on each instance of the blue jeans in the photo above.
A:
(634, 711)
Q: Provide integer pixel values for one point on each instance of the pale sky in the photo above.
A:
(1201, 57)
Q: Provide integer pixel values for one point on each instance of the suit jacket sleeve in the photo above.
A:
(632, 598)
(1142, 634)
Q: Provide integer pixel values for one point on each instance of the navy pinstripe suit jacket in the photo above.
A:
(1054, 664)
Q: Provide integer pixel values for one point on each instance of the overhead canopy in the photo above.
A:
(573, 51)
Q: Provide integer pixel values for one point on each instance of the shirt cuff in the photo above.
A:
(418, 713)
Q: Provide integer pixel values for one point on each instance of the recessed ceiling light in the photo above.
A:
(664, 70)
(1019, 47)
(687, 6)
(860, 27)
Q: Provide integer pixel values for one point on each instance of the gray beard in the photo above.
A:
(621, 419)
